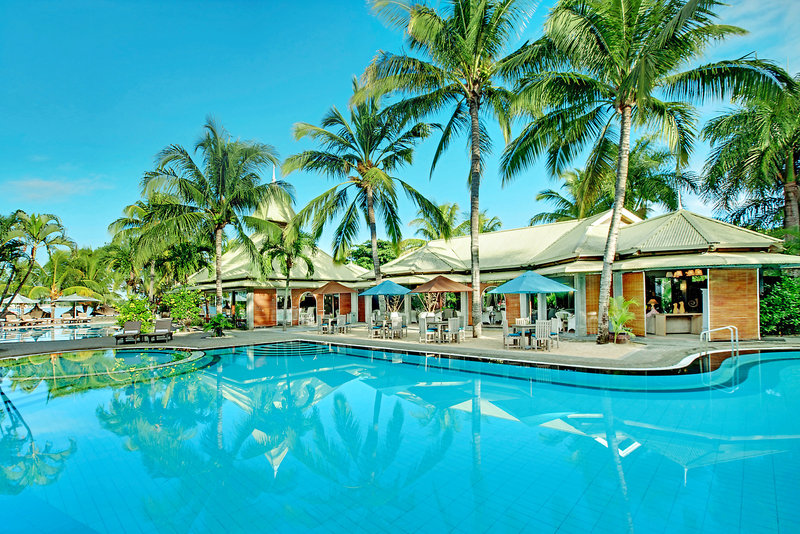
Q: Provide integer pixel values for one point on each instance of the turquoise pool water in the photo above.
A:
(54, 333)
(298, 437)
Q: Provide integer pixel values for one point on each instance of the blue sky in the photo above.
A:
(93, 90)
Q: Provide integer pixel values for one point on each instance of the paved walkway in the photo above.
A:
(648, 353)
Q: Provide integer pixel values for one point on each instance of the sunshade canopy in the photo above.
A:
(531, 282)
(19, 299)
(440, 284)
(76, 299)
(332, 288)
(388, 288)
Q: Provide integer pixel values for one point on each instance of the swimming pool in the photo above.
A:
(303, 437)
(54, 333)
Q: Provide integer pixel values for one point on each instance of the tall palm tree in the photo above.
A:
(430, 228)
(364, 151)
(183, 259)
(214, 194)
(37, 232)
(573, 203)
(290, 249)
(756, 155)
(120, 257)
(603, 63)
(461, 69)
(12, 252)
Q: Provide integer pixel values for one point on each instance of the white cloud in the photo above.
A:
(43, 189)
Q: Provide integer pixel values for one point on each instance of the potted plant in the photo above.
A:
(620, 315)
(217, 324)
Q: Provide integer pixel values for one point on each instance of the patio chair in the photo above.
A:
(162, 328)
(130, 330)
(426, 333)
(543, 334)
(511, 339)
(341, 324)
(454, 329)
(571, 323)
(374, 330)
(522, 320)
(555, 328)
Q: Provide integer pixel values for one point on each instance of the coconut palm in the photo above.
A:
(603, 63)
(755, 153)
(573, 203)
(37, 232)
(363, 151)
(215, 194)
(120, 257)
(429, 228)
(485, 224)
(290, 249)
(183, 259)
(61, 278)
(461, 69)
(12, 252)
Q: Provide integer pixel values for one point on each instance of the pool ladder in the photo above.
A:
(705, 335)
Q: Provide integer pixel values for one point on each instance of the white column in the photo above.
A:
(250, 309)
(616, 278)
(524, 311)
(367, 308)
(407, 307)
(580, 304)
(541, 302)
(354, 305)
(465, 305)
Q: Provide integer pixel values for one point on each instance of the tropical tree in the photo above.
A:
(364, 152)
(289, 249)
(603, 63)
(183, 259)
(485, 224)
(120, 257)
(461, 70)
(751, 172)
(573, 203)
(12, 252)
(429, 228)
(60, 278)
(215, 194)
(37, 232)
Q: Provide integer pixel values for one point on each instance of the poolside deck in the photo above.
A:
(646, 354)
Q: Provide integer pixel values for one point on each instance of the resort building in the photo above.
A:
(686, 272)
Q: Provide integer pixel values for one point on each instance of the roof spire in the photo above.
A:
(273, 173)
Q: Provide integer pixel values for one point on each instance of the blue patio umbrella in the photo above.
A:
(386, 288)
(531, 283)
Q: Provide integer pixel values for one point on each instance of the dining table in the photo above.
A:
(440, 327)
(528, 332)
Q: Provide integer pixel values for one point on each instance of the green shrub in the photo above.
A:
(619, 314)
(136, 309)
(217, 324)
(183, 306)
(780, 307)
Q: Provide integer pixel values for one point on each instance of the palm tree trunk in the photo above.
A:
(22, 282)
(218, 266)
(613, 229)
(474, 228)
(373, 236)
(791, 217)
(152, 282)
(286, 294)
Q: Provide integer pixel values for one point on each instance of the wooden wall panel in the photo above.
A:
(264, 304)
(513, 307)
(733, 300)
(362, 307)
(633, 288)
(592, 302)
(345, 303)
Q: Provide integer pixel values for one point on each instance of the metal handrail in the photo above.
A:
(706, 335)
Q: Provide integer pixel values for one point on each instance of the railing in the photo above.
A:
(705, 335)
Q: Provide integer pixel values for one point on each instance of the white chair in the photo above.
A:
(543, 334)
(511, 339)
(454, 329)
(522, 321)
(341, 324)
(571, 323)
(374, 330)
(397, 327)
(426, 334)
(555, 328)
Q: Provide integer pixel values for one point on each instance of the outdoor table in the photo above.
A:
(439, 326)
(528, 332)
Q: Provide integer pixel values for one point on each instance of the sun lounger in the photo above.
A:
(130, 330)
(163, 328)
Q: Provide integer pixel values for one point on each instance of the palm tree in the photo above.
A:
(215, 194)
(37, 231)
(574, 203)
(461, 71)
(120, 257)
(485, 224)
(363, 151)
(183, 259)
(605, 62)
(430, 228)
(755, 154)
(58, 275)
(289, 249)
(12, 252)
